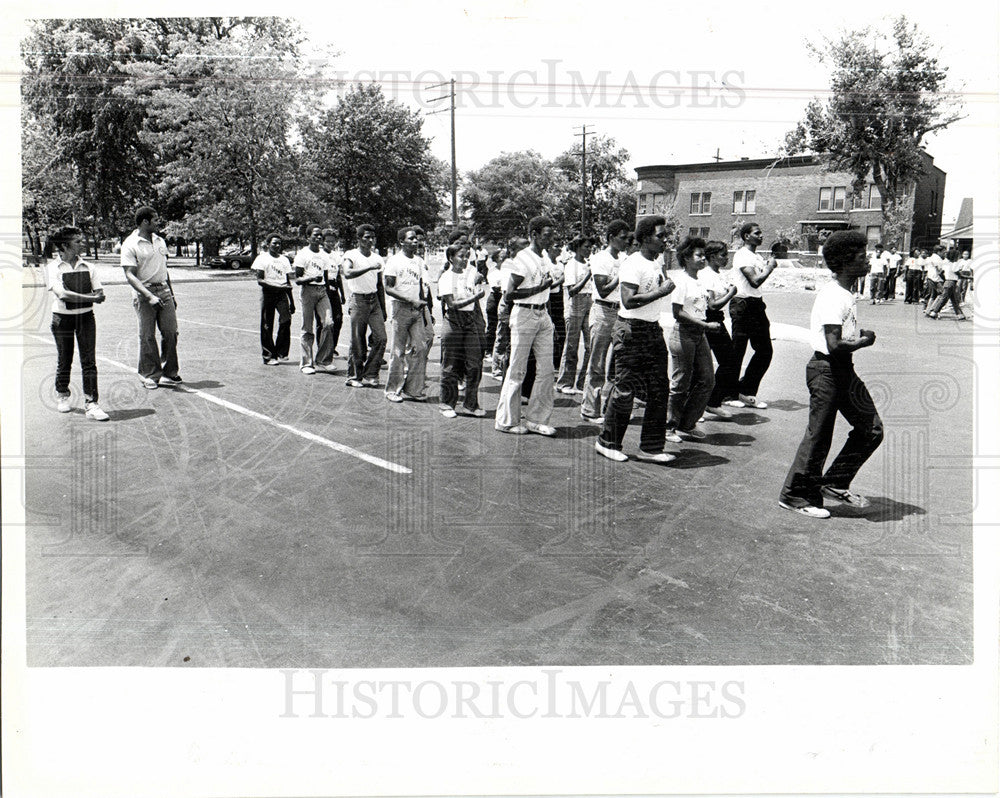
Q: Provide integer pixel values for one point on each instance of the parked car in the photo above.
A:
(231, 259)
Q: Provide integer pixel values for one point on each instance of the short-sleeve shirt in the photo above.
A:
(336, 259)
(574, 273)
(314, 265)
(950, 269)
(893, 260)
(533, 269)
(605, 264)
(713, 281)
(55, 271)
(458, 285)
(877, 263)
(493, 277)
(149, 258)
(743, 259)
(690, 294)
(408, 273)
(366, 283)
(935, 268)
(833, 305)
(645, 275)
(276, 270)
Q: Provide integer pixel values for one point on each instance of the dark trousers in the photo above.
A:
(834, 387)
(338, 313)
(914, 282)
(931, 290)
(365, 313)
(65, 328)
(462, 357)
(726, 375)
(492, 301)
(559, 322)
(949, 291)
(640, 362)
(273, 300)
(751, 325)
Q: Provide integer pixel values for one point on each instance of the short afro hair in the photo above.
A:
(686, 248)
(647, 224)
(841, 247)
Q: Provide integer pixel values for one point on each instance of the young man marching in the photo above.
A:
(403, 278)
(749, 317)
(361, 270)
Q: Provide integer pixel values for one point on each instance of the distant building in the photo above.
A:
(961, 234)
(793, 197)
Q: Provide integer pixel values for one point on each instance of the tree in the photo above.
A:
(370, 162)
(48, 187)
(611, 190)
(887, 94)
(506, 192)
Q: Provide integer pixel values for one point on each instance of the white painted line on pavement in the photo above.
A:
(220, 326)
(309, 436)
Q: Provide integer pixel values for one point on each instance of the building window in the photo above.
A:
(744, 202)
(701, 203)
(644, 204)
(832, 198)
(874, 197)
(659, 203)
(874, 235)
(699, 232)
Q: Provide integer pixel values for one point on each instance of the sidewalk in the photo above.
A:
(182, 270)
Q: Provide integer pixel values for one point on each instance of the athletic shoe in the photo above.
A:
(272, 362)
(845, 496)
(540, 429)
(518, 429)
(63, 405)
(421, 398)
(569, 389)
(734, 403)
(693, 434)
(962, 318)
(308, 370)
(753, 401)
(171, 380)
(369, 382)
(149, 384)
(477, 413)
(94, 411)
(718, 412)
(611, 454)
(283, 358)
(394, 397)
(329, 368)
(806, 509)
(654, 457)
(353, 383)
(599, 420)
(448, 412)
(672, 436)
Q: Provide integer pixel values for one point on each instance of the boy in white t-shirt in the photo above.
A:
(274, 273)
(834, 387)
(403, 280)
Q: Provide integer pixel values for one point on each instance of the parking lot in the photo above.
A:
(259, 517)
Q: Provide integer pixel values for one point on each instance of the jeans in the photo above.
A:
(597, 386)
(156, 361)
(877, 283)
(948, 291)
(914, 280)
(501, 347)
(337, 309)
(365, 313)
(492, 303)
(931, 290)
(407, 348)
(640, 355)
(691, 377)
(274, 299)
(555, 307)
(462, 359)
(316, 308)
(531, 330)
(833, 387)
(750, 325)
(726, 374)
(576, 327)
(66, 327)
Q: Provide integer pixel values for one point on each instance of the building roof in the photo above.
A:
(963, 225)
(728, 166)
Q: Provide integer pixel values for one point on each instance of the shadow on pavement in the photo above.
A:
(129, 415)
(880, 509)
(695, 458)
(728, 439)
(786, 404)
(202, 385)
(749, 419)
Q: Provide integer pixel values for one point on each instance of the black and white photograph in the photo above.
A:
(511, 398)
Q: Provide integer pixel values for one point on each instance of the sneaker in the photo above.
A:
(63, 405)
(693, 434)
(569, 389)
(171, 380)
(654, 457)
(394, 397)
(94, 411)
(149, 384)
(283, 358)
(611, 454)
(477, 413)
(599, 420)
(753, 401)
(806, 509)
(540, 429)
(420, 398)
(497, 375)
(272, 362)
(518, 429)
(845, 496)
(369, 382)
(448, 412)
(327, 369)
(308, 370)
(672, 436)
(734, 403)
(353, 383)
(718, 412)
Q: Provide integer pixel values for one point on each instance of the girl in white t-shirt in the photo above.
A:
(461, 353)
(691, 375)
(77, 289)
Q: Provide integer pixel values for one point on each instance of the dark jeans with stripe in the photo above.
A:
(726, 373)
(65, 328)
(751, 325)
(834, 387)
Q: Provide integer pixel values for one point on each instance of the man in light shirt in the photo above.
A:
(748, 316)
(403, 279)
(877, 280)
(361, 270)
(334, 284)
(311, 266)
(144, 259)
(273, 276)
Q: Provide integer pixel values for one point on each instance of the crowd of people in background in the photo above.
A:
(931, 278)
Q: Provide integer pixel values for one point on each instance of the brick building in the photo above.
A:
(794, 197)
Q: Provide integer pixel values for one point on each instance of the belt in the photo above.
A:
(607, 303)
(531, 305)
(156, 285)
(372, 295)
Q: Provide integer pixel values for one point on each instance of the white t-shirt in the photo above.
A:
(713, 281)
(55, 269)
(493, 277)
(458, 285)
(743, 259)
(690, 294)
(366, 283)
(336, 258)
(645, 275)
(877, 263)
(935, 268)
(604, 264)
(533, 269)
(408, 273)
(276, 270)
(833, 305)
(892, 259)
(950, 269)
(313, 264)
(574, 273)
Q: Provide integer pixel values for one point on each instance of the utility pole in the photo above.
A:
(716, 157)
(583, 180)
(454, 167)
